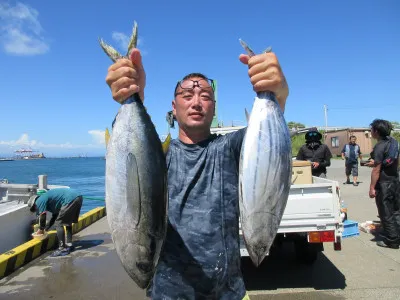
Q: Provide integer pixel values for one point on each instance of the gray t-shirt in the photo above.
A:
(201, 254)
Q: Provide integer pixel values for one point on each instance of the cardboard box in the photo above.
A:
(301, 172)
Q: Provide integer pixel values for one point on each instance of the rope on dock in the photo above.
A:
(94, 198)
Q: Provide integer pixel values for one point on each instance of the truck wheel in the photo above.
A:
(306, 252)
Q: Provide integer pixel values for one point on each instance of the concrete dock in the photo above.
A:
(361, 270)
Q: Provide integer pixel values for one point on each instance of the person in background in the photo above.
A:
(316, 152)
(385, 185)
(351, 152)
(65, 205)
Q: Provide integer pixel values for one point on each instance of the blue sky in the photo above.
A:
(54, 98)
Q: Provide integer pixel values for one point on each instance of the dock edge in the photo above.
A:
(15, 258)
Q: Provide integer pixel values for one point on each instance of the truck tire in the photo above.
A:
(306, 252)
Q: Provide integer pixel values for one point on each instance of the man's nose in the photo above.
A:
(196, 101)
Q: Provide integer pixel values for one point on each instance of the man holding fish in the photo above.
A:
(200, 258)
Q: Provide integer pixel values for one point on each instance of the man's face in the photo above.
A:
(353, 140)
(374, 133)
(194, 104)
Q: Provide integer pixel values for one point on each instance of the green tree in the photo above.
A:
(396, 134)
(297, 142)
(292, 124)
(395, 124)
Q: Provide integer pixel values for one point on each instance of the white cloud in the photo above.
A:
(122, 41)
(20, 30)
(98, 136)
(25, 142)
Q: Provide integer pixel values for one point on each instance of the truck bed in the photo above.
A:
(310, 208)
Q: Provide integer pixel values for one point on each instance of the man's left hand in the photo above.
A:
(266, 75)
(372, 193)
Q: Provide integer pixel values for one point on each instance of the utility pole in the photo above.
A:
(326, 117)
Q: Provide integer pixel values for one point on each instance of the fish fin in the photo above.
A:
(110, 51)
(107, 136)
(247, 115)
(133, 39)
(133, 200)
(247, 48)
(165, 144)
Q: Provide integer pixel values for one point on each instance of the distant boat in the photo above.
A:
(28, 154)
(6, 159)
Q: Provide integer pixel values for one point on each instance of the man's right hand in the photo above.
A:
(126, 77)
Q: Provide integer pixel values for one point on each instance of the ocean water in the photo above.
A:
(87, 175)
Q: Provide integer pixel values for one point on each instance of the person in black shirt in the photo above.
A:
(201, 255)
(316, 152)
(385, 185)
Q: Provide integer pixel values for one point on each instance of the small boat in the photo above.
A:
(16, 220)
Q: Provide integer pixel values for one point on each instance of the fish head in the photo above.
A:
(258, 240)
(194, 103)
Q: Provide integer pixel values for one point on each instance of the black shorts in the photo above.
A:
(352, 168)
(70, 213)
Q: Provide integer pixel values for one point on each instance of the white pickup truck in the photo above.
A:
(311, 218)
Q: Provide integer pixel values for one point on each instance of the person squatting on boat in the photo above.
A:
(201, 256)
(65, 205)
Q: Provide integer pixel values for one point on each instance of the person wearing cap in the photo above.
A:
(315, 152)
(65, 205)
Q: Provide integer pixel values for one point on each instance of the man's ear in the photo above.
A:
(174, 108)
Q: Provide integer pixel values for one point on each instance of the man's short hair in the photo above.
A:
(382, 127)
(353, 136)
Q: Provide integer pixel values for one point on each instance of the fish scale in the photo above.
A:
(265, 171)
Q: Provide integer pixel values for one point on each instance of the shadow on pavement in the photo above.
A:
(86, 244)
(281, 270)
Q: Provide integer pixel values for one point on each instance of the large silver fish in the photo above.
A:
(265, 171)
(136, 185)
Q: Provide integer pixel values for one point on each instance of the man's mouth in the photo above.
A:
(195, 114)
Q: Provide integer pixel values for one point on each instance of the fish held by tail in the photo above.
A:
(265, 172)
(136, 185)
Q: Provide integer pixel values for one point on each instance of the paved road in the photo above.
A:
(360, 271)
